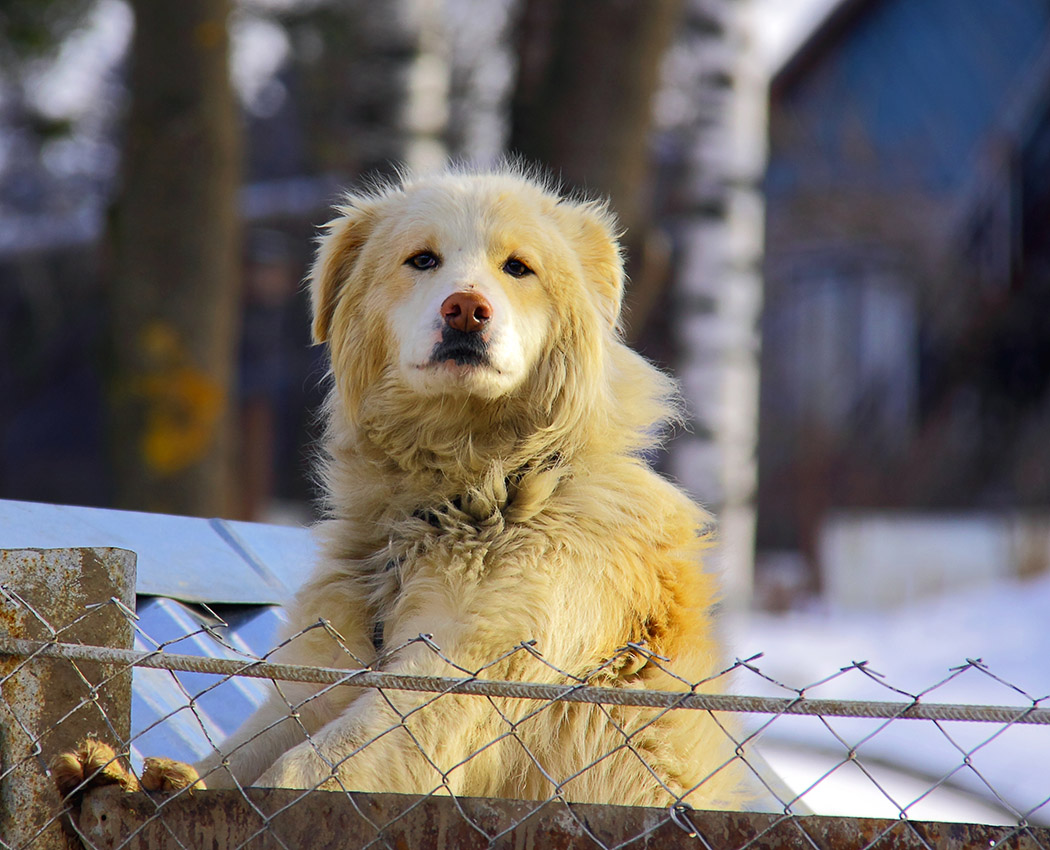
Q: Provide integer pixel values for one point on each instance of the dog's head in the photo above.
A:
(461, 284)
(476, 315)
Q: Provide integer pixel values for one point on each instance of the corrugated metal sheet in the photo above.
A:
(207, 587)
(180, 714)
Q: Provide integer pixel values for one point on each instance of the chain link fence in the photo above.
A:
(791, 748)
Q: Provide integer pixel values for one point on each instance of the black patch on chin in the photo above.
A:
(466, 349)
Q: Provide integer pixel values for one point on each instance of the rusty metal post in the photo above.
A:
(48, 705)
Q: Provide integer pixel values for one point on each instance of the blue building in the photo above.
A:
(906, 329)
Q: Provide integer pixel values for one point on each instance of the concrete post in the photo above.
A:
(48, 705)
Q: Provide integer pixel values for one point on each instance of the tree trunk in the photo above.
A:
(175, 262)
(588, 72)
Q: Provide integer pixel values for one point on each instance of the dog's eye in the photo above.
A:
(516, 268)
(423, 260)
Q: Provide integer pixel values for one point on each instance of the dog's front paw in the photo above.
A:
(91, 764)
(160, 774)
(301, 768)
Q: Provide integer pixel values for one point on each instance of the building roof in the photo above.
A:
(839, 19)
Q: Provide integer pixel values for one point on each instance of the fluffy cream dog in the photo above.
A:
(486, 488)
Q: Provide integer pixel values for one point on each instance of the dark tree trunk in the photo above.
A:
(175, 262)
(588, 71)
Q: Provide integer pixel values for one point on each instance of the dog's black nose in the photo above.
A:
(466, 311)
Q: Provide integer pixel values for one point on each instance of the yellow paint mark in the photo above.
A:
(183, 405)
(209, 34)
(184, 409)
(160, 342)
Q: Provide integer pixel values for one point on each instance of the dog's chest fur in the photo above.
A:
(456, 546)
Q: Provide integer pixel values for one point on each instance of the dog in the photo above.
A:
(487, 488)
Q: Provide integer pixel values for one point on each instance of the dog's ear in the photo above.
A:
(337, 252)
(593, 231)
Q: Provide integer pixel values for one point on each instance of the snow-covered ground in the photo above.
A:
(988, 645)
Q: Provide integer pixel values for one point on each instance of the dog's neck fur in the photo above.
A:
(434, 459)
(507, 455)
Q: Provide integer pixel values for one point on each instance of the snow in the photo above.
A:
(71, 84)
(259, 48)
(988, 645)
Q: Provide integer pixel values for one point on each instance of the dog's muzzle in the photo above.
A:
(462, 347)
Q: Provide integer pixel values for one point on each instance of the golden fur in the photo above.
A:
(490, 505)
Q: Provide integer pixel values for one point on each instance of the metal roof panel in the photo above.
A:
(180, 714)
(187, 558)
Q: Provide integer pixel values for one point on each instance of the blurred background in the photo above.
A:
(838, 219)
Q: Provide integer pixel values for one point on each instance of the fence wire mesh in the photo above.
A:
(906, 757)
